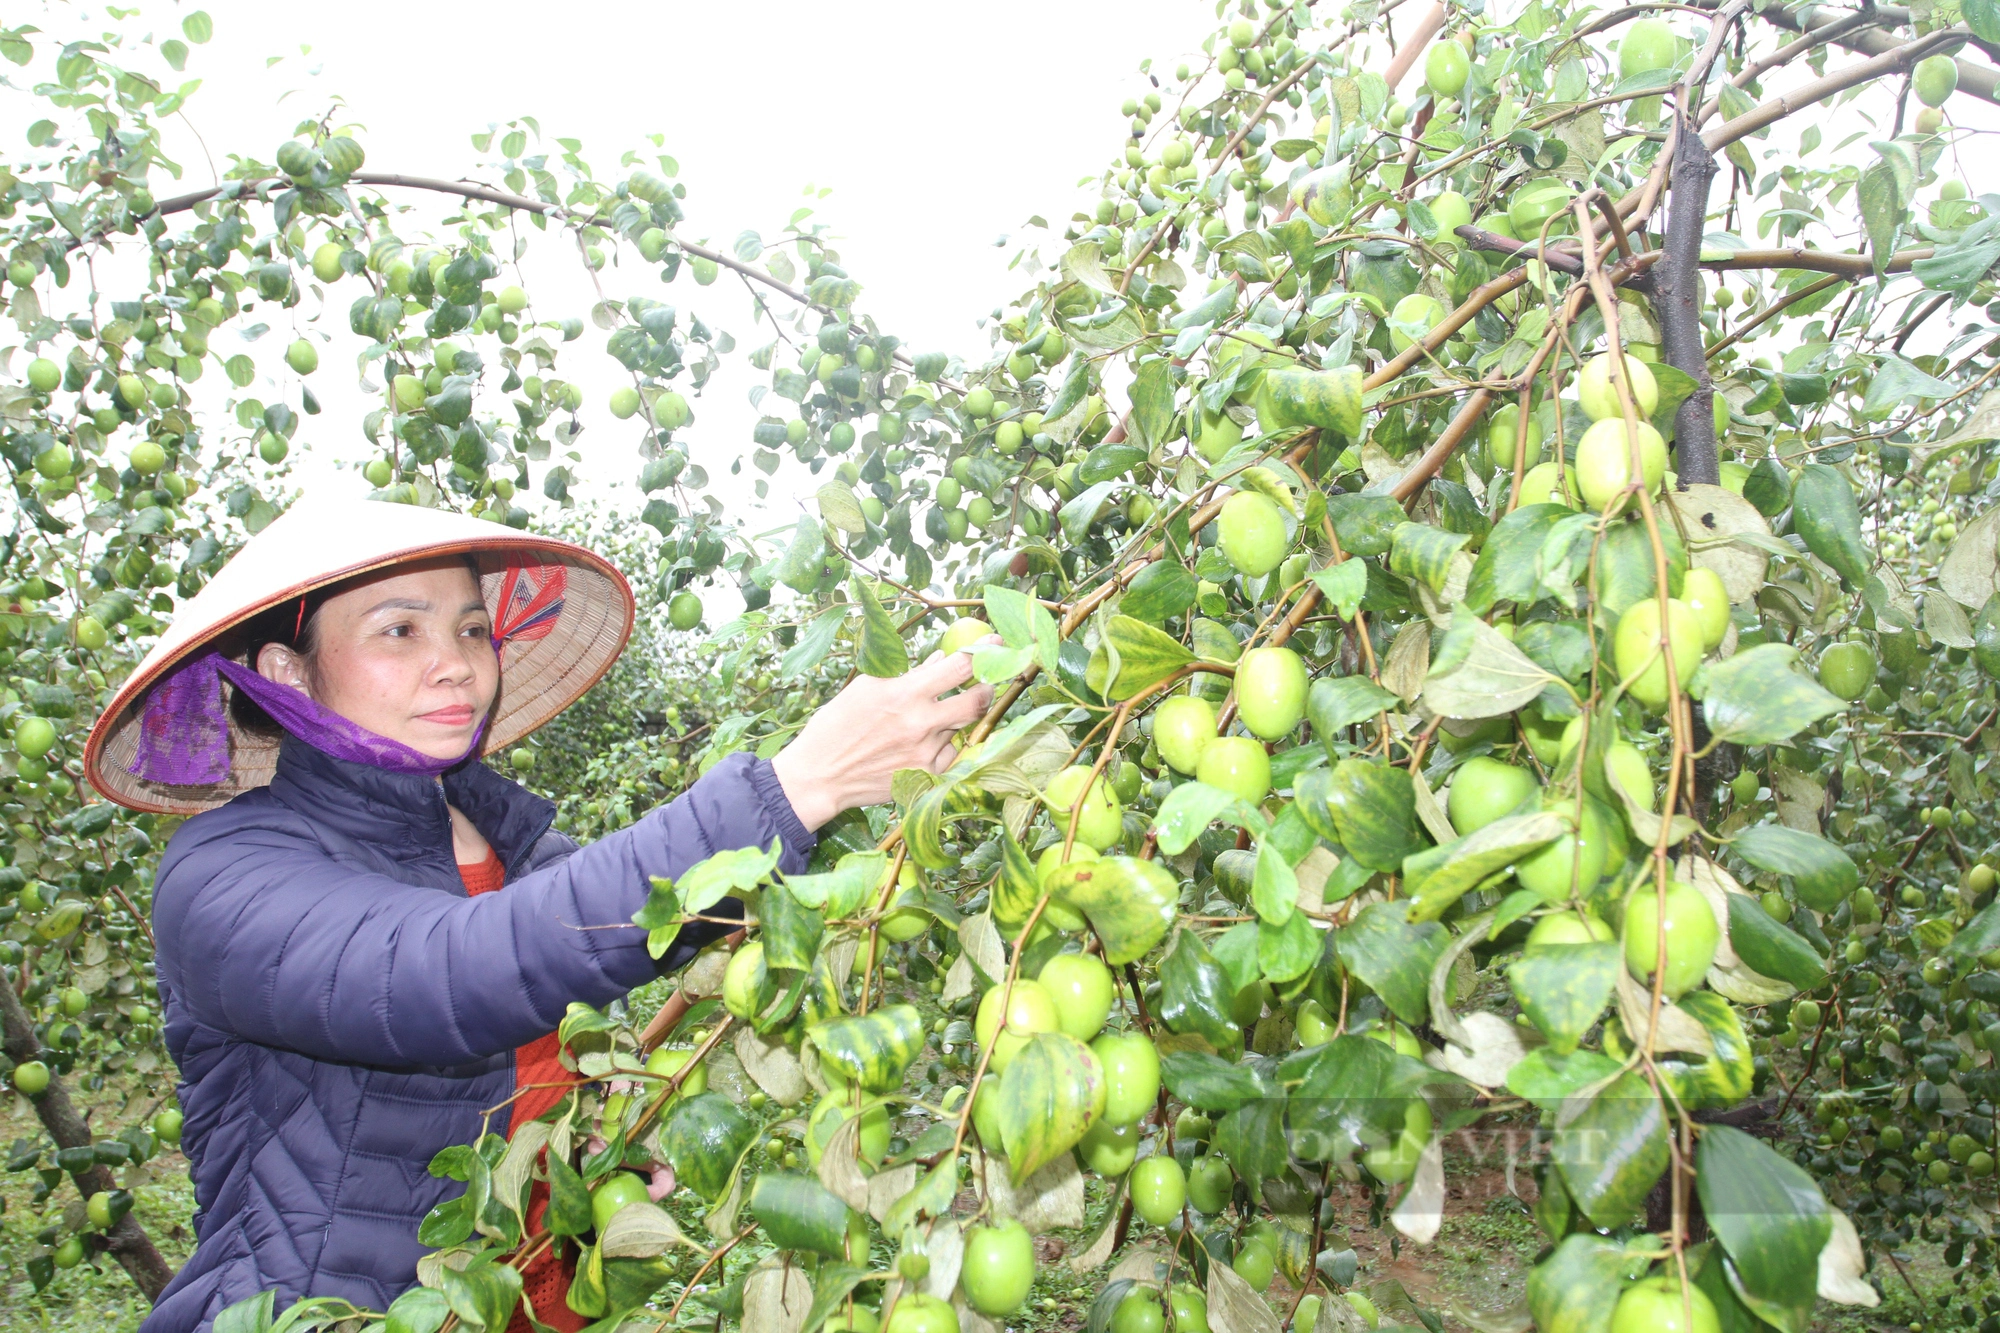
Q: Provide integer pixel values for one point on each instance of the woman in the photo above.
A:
(341, 998)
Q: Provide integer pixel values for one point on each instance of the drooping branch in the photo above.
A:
(1677, 306)
(506, 199)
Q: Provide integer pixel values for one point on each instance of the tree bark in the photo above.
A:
(1677, 304)
(127, 1242)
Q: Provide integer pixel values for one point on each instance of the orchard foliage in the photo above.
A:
(1495, 581)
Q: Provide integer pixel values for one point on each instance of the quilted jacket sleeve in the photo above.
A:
(279, 944)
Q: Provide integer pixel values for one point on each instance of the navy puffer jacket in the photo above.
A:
(340, 1010)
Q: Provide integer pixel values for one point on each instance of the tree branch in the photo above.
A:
(127, 1242)
(1977, 80)
(1677, 305)
(1895, 59)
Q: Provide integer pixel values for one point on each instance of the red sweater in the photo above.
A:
(545, 1283)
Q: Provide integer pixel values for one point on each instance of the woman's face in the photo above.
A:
(409, 656)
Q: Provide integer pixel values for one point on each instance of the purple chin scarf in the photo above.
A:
(184, 734)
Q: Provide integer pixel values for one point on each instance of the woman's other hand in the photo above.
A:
(849, 750)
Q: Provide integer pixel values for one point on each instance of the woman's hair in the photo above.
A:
(292, 624)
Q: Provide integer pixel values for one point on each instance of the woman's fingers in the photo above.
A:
(939, 673)
(964, 709)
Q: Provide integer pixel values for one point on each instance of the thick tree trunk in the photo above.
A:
(1677, 305)
(127, 1242)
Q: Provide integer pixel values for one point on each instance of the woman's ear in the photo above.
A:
(282, 666)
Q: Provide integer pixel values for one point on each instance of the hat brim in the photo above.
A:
(538, 677)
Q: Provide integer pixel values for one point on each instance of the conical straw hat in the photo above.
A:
(571, 644)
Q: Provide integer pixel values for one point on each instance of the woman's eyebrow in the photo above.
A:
(473, 607)
(398, 604)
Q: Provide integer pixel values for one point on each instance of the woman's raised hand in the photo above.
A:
(849, 750)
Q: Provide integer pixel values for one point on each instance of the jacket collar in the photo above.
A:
(407, 810)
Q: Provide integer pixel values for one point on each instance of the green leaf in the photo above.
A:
(799, 567)
(1983, 17)
(1195, 997)
(932, 1197)
(839, 506)
(1548, 1080)
(1825, 514)
(1152, 417)
(1509, 565)
(840, 892)
(873, 1049)
(882, 651)
(1047, 1100)
(1770, 948)
(831, 1287)
(569, 1200)
(252, 1315)
(1771, 1218)
(1023, 622)
(482, 1297)
(1419, 551)
(739, 870)
(661, 917)
(1287, 951)
(1343, 585)
(1564, 987)
(1017, 888)
(790, 930)
(1163, 589)
(1328, 399)
(1335, 703)
(1107, 461)
(1759, 697)
(1439, 876)
(1348, 1093)
(418, 1310)
(1274, 890)
(1624, 575)
(1209, 1082)
(1675, 387)
(923, 827)
(1823, 874)
(1191, 807)
(1077, 516)
(198, 27)
(799, 1213)
(1724, 1077)
(813, 643)
(1894, 383)
(1576, 1289)
(1252, 1138)
(628, 1283)
(1145, 656)
(1881, 212)
(1478, 672)
(1130, 903)
(1374, 809)
(1365, 524)
(1980, 936)
(1393, 955)
(1614, 1150)
(704, 1136)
